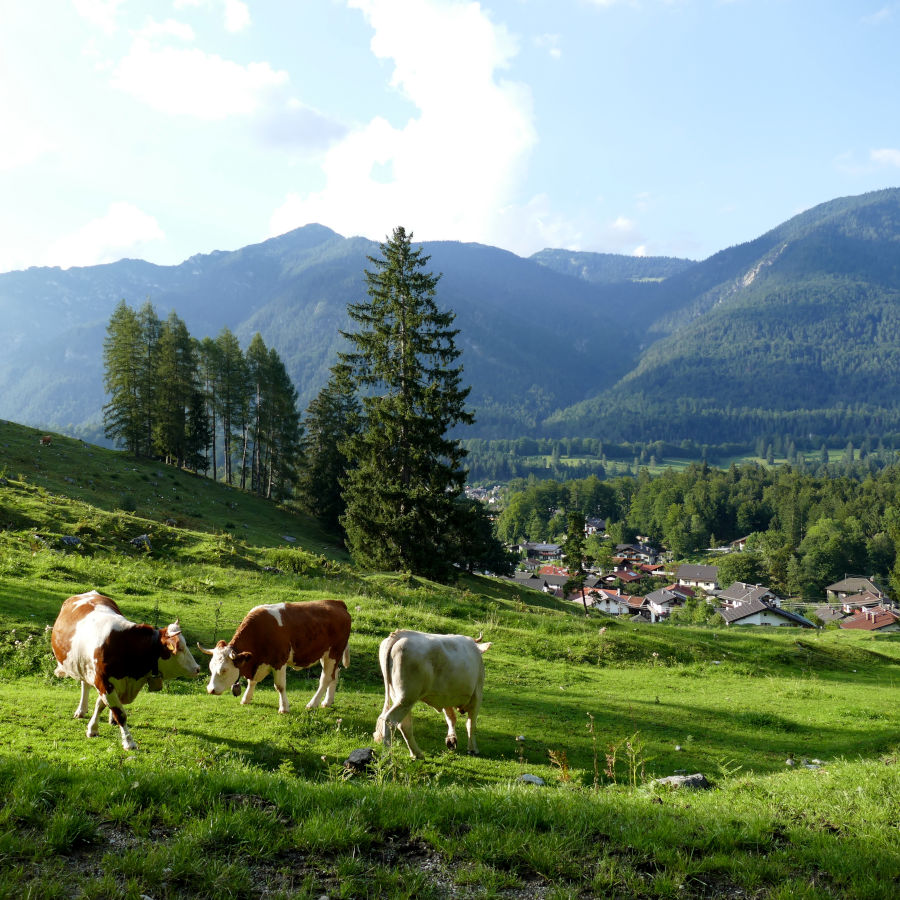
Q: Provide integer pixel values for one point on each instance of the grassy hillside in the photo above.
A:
(229, 801)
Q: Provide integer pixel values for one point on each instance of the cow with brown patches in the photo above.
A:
(279, 635)
(94, 643)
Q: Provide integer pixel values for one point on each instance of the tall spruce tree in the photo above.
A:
(407, 472)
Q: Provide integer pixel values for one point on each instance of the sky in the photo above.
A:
(158, 130)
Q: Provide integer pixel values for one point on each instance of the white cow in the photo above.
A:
(446, 671)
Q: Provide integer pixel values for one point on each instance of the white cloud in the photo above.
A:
(236, 12)
(101, 13)
(451, 170)
(550, 43)
(124, 227)
(886, 157)
(187, 81)
(237, 15)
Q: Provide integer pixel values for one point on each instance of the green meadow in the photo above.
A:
(798, 732)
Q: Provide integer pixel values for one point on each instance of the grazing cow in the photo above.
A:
(46, 440)
(279, 635)
(445, 671)
(94, 643)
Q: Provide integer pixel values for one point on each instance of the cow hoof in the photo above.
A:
(474, 753)
(451, 743)
(78, 714)
(92, 734)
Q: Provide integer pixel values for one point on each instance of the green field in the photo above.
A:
(222, 800)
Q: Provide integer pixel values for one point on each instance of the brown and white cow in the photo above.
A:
(279, 635)
(94, 643)
(445, 671)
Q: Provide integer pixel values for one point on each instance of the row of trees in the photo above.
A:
(372, 459)
(192, 403)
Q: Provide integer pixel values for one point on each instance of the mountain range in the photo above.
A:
(796, 332)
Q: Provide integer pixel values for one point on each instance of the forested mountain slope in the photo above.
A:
(796, 332)
(525, 330)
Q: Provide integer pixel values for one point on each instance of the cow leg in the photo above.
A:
(400, 716)
(470, 731)
(327, 683)
(450, 716)
(258, 676)
(280, 679)
(117, 712)
(92, 724)
(82, 708)
(248, 693)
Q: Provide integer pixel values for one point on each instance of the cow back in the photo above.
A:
(298, 634)
(76, 610)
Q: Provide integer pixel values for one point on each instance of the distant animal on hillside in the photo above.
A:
(446, 671)
(279, 635)
(95, 644)
(46, 440)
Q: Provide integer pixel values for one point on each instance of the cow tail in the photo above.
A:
(384, 653)
(345, 659)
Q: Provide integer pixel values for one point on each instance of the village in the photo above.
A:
(855, 602)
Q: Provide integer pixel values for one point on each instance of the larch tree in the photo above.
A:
(407, 472)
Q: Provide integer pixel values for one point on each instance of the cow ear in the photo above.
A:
(246, 656)
(485, 647)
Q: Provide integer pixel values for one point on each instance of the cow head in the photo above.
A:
(224, 667)
(175, 659)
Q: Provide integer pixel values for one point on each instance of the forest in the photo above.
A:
(804, 530)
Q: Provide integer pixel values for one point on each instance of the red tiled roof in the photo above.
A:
(871, 619)
(553, 570)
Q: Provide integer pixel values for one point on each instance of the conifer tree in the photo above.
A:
(283, 432)
(150, 329)
(231, 393)
(123, 419)
(331, 419)
(407, 472)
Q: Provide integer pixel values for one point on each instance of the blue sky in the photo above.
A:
(161, 129)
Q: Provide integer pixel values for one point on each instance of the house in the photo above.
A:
(621, 574)
(593, 525)
(758, 612)
(879, 618)
(827, 614)
(684, 592)
(704, 577)
(602, 600)
(661, 603)
(541, 552)
(637, 553)
(738, 545)
(853, 584)
(740, 592)
(863, 600)
(638, 609)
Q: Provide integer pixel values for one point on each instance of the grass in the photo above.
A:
(228, 801)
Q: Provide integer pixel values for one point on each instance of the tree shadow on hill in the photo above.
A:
(732, 734)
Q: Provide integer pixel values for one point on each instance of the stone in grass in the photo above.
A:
(360, 760)
(532, 779)
(697, 781)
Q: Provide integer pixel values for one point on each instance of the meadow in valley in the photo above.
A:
(798, 732)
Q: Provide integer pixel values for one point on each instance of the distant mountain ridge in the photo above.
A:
(793, 332)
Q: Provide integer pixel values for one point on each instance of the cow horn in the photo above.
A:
(203, 649)
(480, 636)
